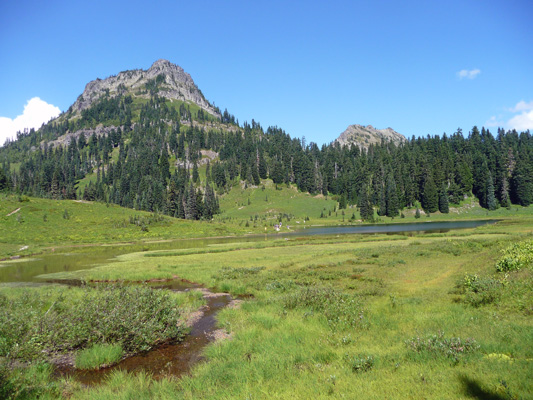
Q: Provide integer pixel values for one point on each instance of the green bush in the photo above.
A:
(482, 290)
(516, 257)
(36, 323)
(359, 362)
(438, 345)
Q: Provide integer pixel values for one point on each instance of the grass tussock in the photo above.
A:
(342, 311)
(99, 355)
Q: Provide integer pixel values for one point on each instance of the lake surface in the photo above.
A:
(424, 227)
(28, 270)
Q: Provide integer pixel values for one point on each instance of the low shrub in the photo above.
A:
(359, 362)
(515, 257)
(438, 345)
(481, 290)
(34, 324)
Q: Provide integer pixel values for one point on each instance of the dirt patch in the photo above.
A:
(220, 334)
(64, 360)
(235, 304)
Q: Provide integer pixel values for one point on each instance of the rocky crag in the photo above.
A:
(173, 83)
(364, 136)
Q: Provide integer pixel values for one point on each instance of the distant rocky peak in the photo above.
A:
(162, 63)
(364, 136)
(172, 71)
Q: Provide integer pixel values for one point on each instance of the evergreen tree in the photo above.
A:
(195, 173)
(391, 198)
(430, 196)
(164, 166)
(443, 200)
(191, 204)
(492, 203)
(505, 201)
(262, 167)
(522, 183)
(3, 180)
(255, 175)
(382, 210)
(365, 206)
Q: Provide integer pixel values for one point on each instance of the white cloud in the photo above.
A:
(36, 112)
(522, 106)
(522, 122)
(468, 74)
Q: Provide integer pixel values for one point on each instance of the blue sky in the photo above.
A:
(310, 67)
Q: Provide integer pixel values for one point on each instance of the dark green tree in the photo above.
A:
(365, 206)
(430, 199)
(164, 166)
(444, 206)
(3, 180)
(195, 173)
(342, 202)
(492, 203)
(505, 200)
(391, 198)
(522, 183)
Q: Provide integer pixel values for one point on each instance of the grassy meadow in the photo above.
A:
(348, 316)
(352, 316)
(33, 225)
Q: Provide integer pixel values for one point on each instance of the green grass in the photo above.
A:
(99, 355)
(40, 225)
(325, 316)
(297, 339)
(267, 204)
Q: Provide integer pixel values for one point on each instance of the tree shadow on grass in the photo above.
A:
(473, 389)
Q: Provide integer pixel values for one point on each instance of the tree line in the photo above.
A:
(131, 165)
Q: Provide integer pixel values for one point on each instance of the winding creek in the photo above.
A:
(177, 358)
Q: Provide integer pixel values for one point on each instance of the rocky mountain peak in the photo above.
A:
(176, 84)
(364, 136)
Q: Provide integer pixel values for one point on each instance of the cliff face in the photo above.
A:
(364, 136)
(172, 82)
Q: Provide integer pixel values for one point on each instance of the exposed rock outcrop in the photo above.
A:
(173, 83)
(364, 136)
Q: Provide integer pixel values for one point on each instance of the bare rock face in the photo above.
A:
(174, 83)
(364, 136)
